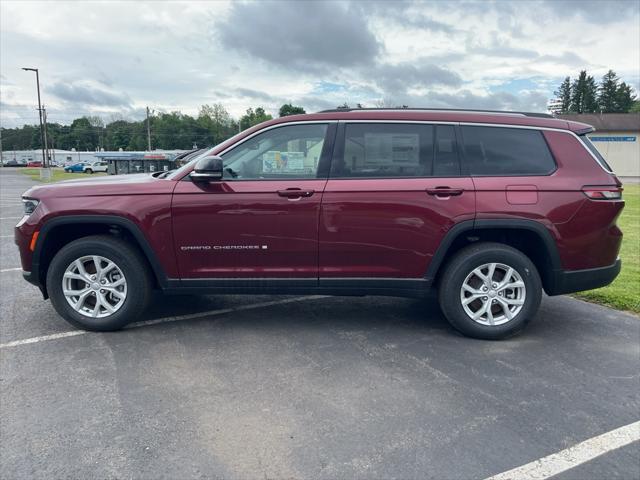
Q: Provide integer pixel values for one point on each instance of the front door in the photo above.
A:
(261, 220)
(394, 191)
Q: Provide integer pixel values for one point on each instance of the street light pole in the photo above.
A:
(42, 134)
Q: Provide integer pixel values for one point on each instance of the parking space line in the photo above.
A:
(11, 269)
(6, 236)
(10, 218)
(572, 457)
(191, 316)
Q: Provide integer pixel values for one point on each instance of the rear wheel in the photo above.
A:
(99, 283)
(490, 291)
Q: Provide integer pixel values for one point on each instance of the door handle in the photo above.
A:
(295, 193)
(445, 192)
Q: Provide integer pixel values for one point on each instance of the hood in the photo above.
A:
(130, 184)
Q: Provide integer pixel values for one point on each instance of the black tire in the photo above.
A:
(128, 260)
(88, 170)
(472, 257)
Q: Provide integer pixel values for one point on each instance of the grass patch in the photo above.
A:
(624, 292)
(57, 174)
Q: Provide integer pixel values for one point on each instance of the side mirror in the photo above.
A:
(208, 169)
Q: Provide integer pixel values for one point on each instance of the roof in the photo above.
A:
(463, 110)
(607, 122)
(418, 115)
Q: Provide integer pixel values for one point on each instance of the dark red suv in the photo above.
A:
(488, 207)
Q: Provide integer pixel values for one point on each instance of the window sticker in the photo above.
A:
(391, 149)
(282, 162)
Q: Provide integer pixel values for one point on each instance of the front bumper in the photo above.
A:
(579, 280)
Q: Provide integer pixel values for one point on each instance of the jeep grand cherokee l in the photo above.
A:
(489, 208)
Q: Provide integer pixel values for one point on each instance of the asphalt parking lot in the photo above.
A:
(311, 387)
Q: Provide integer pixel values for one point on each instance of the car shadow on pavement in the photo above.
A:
(367, 312)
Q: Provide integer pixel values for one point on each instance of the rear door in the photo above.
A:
(395, 190)
(261, 220)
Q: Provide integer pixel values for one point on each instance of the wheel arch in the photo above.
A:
(59, 231)
(529, 236)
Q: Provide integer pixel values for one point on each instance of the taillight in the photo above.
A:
(603, 193)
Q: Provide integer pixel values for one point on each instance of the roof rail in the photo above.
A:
(461, 110)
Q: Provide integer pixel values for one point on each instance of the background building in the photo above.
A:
(616, 138)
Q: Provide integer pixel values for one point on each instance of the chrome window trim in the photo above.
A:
(428, 122)
(497, 125)
(271, 127)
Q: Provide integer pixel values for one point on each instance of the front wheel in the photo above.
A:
(490, 291)
(99, 283)
(88, 170)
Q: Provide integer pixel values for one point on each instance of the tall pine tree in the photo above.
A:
(624, 98)
(584, 93)
(564, 95)
(608, 93)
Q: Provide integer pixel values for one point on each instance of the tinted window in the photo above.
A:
(595, 152)
(506, 151)
(288, 152)
(373, 150)
(446, 162)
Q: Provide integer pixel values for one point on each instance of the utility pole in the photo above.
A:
(148, 132)
(1, 159)
(42, 134)
(46, 145)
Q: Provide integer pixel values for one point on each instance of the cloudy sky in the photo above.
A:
(111, 58)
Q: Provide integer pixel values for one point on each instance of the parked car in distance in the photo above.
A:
(74, 168)
(95, 167)
(14, 163)
(489, 208)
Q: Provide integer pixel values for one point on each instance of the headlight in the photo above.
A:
(29, 205)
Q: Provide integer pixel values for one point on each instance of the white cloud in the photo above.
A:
(100, 58)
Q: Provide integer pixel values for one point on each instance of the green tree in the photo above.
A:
(289, 109)
(608, 93)
(217, 121)
(564, 95)
(635, 108)
(624, 98)
(584, 93)
(252, 117)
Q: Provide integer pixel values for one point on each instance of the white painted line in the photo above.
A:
(572, 457)
(43, 338)
(10, 218)
(10, 269)
(6, 236)
(191, 316)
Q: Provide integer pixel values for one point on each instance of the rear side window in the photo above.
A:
(498, 151)
(378, 150)
(592, 148)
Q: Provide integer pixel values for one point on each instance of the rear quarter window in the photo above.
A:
(501, 151)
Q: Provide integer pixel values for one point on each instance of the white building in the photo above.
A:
(57, 157)
(617, 138)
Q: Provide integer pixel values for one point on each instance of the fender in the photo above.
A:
(469, 226)
(120, 222)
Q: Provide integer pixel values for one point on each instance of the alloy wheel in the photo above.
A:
(493, 294)
(94, 286)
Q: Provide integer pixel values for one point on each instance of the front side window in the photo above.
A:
(288, 152)
(498, 151)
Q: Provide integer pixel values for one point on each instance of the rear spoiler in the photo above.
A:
(580, 128)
